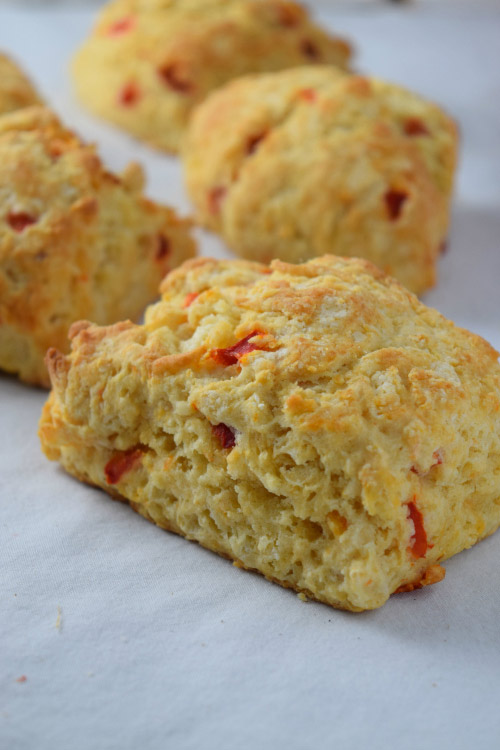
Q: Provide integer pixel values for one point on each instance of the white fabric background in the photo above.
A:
(161, 644)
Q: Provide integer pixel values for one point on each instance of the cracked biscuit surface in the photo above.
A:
(313, 422)
(296, 164)
(16, 90)
(76, 241)
(147, 63)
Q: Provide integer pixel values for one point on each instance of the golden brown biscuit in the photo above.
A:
(316, 423)
(75, 240)
(16, 90)
(147, 64)
(296, 164)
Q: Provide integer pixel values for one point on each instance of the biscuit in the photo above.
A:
(16, 90)
(296, 164)
(146, 64)
(76, 241)
(313, 422)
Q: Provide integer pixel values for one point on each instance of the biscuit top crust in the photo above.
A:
(331, 327)
(76, 241)
(147, 64)
(48, 171)
(122, 17)
(309, 161)
(193, 46)
(260, 117)
(16, 90)
(162, 21)
(323, 317)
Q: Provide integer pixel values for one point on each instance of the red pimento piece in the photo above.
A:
(121, 26)
(190, 298)
(310, 50)
(224, 435)
(23, 678)
(129, 94)
(288, 16)
(233, 354)
(215, 199)
(172, 76)
(57, 148)
(162, 247)
(19, 220)
(418, 543)
(394, 201)
(414, 126)
(121, 463)
(308, 95)
(254, 141)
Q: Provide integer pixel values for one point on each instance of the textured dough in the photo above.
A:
(297, 164)
(75, 240)
(148, 62)
(16, 90)
(314, 422)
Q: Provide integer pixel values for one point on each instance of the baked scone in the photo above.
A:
(16, 90)
(148, 62)
(313, 422)
(75, 240)
(297, 164)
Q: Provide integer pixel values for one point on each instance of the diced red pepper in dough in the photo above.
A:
(224, 435)
(173, 77)
(129, 95)
(190, 298)
(162, 247)
(308, 95)
(394, 200)
(415, 126)
(418, 543)
(233, 354)
(215, 199)
(121, 26)
(19, 220)
(121, 463)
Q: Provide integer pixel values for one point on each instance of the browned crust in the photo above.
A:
(433, 574)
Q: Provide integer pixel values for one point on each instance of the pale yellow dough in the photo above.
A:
(75, 240)
(147, 63)
(346, 446)
(309, 161)
(16, 90)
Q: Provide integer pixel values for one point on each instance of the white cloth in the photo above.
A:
(135, 639)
